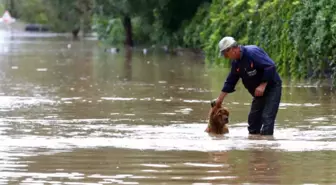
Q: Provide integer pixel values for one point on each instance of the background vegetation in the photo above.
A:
(300, 35)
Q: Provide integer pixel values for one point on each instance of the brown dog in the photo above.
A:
(218, 120)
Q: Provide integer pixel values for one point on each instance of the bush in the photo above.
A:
(298, 35)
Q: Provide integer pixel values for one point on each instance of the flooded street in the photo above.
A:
(71, 113)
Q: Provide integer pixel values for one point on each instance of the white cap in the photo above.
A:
(225, 43)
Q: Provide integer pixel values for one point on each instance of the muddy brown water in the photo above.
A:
(73, 114)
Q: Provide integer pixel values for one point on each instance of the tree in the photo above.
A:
(164, 17)
(124, 10)
(66, 16)
(59, 15)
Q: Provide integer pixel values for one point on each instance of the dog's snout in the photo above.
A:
(226, 119)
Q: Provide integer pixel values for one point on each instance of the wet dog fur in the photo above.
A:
(218, 120)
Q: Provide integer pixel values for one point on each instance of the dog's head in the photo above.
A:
(218, 119)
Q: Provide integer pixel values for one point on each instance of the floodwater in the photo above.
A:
(71, 113)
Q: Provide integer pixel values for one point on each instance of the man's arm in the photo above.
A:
(229, 86)
(220, 99)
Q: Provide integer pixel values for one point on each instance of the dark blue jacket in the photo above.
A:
(254, 67)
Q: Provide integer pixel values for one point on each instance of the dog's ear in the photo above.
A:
(213, 103)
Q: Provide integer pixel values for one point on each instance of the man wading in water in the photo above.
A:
(259, 76)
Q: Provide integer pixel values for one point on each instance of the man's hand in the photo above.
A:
(218, 103)
(259, 91)
(219, 100)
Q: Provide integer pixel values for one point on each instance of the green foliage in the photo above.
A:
(314, 36)
(109, 16)
(194, 30)
(110, 31)
(59, 15)
(65, 15)
(32, 11)
(159, 22)
(2, 6)
(171, 18)
(299, 35)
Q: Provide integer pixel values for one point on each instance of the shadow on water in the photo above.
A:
(128, 65)
(72, 113)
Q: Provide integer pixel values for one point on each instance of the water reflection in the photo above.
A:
(263, 167)
(128, 65)
(140, 167)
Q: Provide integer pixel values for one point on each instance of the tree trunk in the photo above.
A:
(85, 7)
(75, 33)
(11, 7)
(128, 30)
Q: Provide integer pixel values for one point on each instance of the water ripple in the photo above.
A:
(187, 137)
